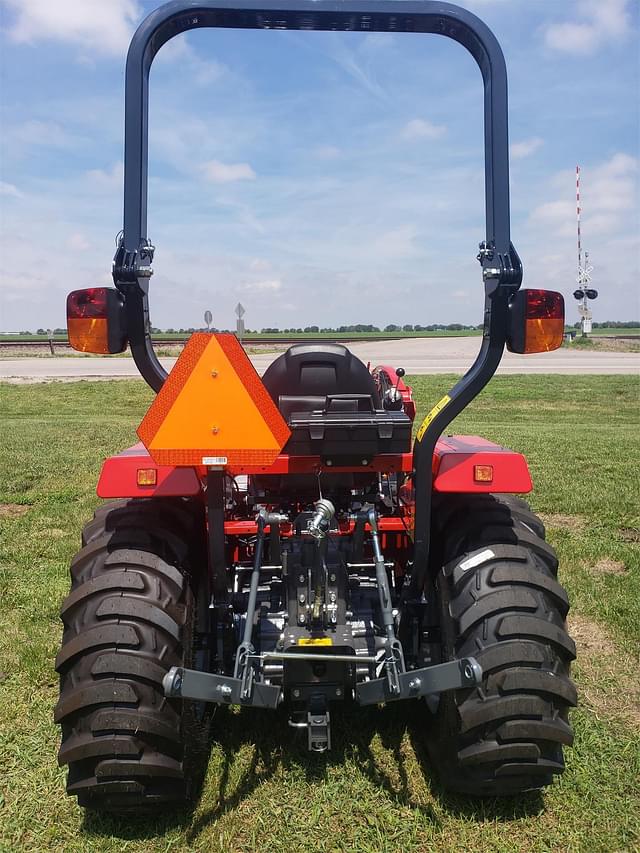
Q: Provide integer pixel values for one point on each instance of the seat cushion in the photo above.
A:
(318, 370)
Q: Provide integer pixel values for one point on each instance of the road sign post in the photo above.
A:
(240, 312)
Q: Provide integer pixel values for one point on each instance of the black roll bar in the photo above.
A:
(501, 267)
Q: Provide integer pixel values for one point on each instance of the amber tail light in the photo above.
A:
(95, 320)
(536, 321)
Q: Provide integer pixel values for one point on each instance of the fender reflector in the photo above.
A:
(483, 473)
(213, 409)
(536, 321)
(147, 476)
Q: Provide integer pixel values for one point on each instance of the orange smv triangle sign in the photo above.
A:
(213, 409)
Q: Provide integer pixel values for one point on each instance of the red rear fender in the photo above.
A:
(457, 461)
(119, 477)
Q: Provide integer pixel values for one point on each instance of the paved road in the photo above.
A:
(417, 356)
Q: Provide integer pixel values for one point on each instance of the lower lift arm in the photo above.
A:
(399, 683)
(246, 687)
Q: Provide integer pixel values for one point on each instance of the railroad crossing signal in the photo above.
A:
(589, 292)
(584, 292)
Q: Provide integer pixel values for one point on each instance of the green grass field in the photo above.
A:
(615, 331)
(374, 791)
(338, 336)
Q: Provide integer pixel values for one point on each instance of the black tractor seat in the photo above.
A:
(332, 405)
(309, 372)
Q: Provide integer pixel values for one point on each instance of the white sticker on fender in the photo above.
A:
(476, 560)
(214, 460)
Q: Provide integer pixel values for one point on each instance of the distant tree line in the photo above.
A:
(362, 327)
(358, 327)
(613, 324)
(189, 331)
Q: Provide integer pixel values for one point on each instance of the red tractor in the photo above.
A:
(285, 541)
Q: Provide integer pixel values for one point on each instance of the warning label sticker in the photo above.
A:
(439, 406)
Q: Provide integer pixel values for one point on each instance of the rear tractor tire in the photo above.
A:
(129, 617)
(501, 603)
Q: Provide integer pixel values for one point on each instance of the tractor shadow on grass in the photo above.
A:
(373, 740)
(360, 736)
(503, 809)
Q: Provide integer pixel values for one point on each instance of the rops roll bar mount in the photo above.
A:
(501, 267)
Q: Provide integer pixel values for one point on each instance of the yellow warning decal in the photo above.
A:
(315, 641)
(439, 406)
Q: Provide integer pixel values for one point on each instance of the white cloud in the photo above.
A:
(547, 241)
(395, 243)
(36, 132)
(78, 242)
(201, 72)
(259, 265)
(10, 190)
(608, 194)
(572, 37)
(356, 66)
(600, 21)
(558, 216)
(526, 147)
(55, 137)
(108, 179)
(224, 173)
(268, 286)
(95, 25)
(418, 128)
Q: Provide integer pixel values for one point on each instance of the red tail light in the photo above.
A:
(95, 320)
(87, 304)
(536, 321)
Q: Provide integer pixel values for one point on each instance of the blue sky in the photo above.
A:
(321, 178)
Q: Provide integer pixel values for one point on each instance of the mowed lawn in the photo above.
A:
(374, 791)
